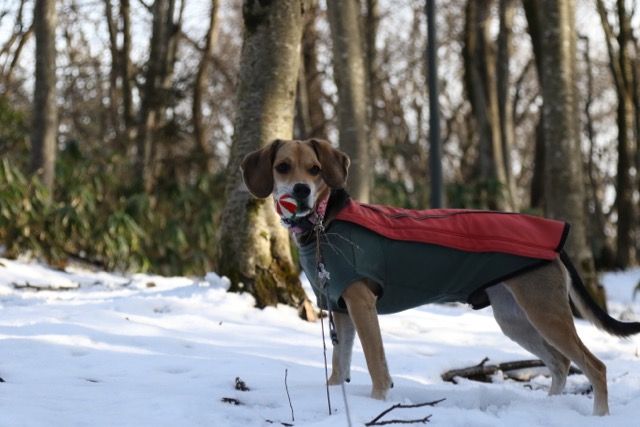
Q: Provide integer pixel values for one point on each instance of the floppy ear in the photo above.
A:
(257, 170)
(335, 164)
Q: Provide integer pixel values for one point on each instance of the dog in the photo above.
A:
(531, 301)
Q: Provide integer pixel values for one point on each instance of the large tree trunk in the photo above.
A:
(44, 127)
(253, 248)
(349, 74)
(480, 76)
(622, 63)
(564, 183)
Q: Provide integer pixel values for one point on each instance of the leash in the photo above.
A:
(323, 282)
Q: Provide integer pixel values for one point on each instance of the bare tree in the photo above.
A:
(253, 248)
(532, 9)
(120, 88)
(623, 61)
(507, 10)
(200, 87)
(21, 34)
(350, 77)
(311, 121)
(157, 87)
(564, 182)
(44, 127)
(482, 87)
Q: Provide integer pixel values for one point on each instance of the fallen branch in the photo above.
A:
(376, 421)
(483, 372)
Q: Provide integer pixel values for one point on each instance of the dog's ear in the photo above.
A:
(257, 170)
(335, 163)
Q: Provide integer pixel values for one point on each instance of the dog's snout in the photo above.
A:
(301, 191)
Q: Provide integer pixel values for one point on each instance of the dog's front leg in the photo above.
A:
(361, 303)
(341, 362)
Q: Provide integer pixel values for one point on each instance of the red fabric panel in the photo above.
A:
(463, 229)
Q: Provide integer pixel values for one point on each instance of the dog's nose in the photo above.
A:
(301, 191)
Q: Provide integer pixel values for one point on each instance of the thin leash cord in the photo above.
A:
(323, 279)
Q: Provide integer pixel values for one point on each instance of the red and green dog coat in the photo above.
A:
(420, 257)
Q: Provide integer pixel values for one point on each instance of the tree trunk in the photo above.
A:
(126, 70)
(199, 89)
(44, 126)
(622, 63)
(480, 76)
(156, 91)
(121, 98)
(602, 252)
(534, 22)
(505, 108)
(564, 183)
(349, 74)
(310, 117)
(253, 249)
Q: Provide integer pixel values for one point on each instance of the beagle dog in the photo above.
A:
(532, 308)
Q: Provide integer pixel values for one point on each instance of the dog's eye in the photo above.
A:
(283, 168)
(315, 170)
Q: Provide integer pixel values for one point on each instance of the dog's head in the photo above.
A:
(306, 171)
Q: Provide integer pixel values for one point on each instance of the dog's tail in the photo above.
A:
(592, 311)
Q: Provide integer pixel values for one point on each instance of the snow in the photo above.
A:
(84, 348)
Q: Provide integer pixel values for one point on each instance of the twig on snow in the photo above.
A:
(376, 421)
(286, 387)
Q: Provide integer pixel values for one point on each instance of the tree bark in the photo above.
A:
(253, 248)
(349, 74)
(44, 126)
(564, 183)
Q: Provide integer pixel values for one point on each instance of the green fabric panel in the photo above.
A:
(410, 273)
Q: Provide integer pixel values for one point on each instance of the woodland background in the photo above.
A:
(122, 121)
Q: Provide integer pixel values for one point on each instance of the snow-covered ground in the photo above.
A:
(101, 349)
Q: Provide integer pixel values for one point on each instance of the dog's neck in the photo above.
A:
(326, 209)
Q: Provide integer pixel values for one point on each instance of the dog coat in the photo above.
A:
(420, 257)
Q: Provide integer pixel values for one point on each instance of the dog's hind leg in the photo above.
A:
(341, 360)
(515, 325)
(543, 296)
(361, 304)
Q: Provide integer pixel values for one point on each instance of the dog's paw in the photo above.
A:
(335, 380)
(379, 394)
